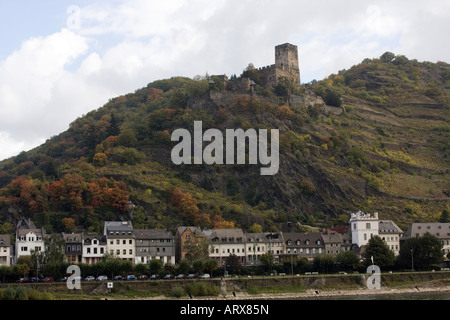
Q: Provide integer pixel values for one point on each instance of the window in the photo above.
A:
(367, 225)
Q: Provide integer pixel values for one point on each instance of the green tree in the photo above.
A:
(445, 215)
(423, 252)
(347, 260)
(211, 265)
(325, 263)
(267, 261)
(387, 57)
(198, 265)
(379, 250)
(155, 266)
(54, 249)
(184, 266)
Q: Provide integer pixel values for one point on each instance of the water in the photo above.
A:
(399, 296)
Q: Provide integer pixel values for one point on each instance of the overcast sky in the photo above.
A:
(60, 59)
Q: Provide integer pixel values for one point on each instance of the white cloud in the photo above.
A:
(123, 45)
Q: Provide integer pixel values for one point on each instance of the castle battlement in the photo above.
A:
(363, 216)
(286, 65)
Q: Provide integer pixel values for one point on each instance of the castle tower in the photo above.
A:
(363, 227)
(286, 62)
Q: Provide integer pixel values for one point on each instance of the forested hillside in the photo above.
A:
(380, 142)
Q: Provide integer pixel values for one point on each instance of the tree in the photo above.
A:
(387, 57)
(267, 261)
(324, 263)
(69, 224)
(155, 266)
(347, 260)
(113, 129)
(184, 266)
(445, 215)
(54, 249)
(198, 265)
(423, 252)
(379, 250)
(211, 265)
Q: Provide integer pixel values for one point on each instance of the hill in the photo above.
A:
(375, 137)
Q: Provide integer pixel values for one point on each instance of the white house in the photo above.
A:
(94, 248)
(363, 227)
(226, 242)
(28, 239)
(120, 239)
(391, 234)
(5, 250)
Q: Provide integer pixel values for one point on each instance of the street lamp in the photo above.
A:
(292, 264)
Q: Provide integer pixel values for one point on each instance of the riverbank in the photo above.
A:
(426, 287)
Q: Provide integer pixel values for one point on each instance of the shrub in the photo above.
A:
(201, 289)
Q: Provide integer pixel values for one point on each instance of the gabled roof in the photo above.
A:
(388, 227)
(301, 239)
(440, 230)
(72, 237)
(5, 240)
(225, 235)
(149, 234)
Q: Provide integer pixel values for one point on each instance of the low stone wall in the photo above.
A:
(315, 282)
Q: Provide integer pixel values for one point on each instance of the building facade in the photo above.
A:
(363, 227)
(28, 239)
(120, 239)
(73, 249)
(185, 237)
(94, 248)
(154, 244)
(391, 234)
(307, 245)
(224, 243)
(5, 250)
(437, 229)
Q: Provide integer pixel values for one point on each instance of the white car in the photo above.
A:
(102, 278)
(89, 278)
(205, 276)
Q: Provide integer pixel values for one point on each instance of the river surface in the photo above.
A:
(399, 296)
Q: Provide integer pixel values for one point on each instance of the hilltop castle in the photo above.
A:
(286, 65)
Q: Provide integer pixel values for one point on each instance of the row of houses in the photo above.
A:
(120, 239)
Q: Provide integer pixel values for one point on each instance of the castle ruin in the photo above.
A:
(286, 65)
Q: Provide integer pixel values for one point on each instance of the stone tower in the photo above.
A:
(286, 65)
(286, 62)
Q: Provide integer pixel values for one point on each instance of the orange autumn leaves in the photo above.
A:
(70, 193)
(186, 204)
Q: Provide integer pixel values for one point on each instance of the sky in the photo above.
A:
(60, 59)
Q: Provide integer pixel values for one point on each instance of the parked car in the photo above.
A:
(180, 276)
(205, 276)
(118, 278)
(131, 277)
(155, 277)
(48, 280)
(143, 277)
(89, 278)
(191, 276)
(168, 277)
(102, 278)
